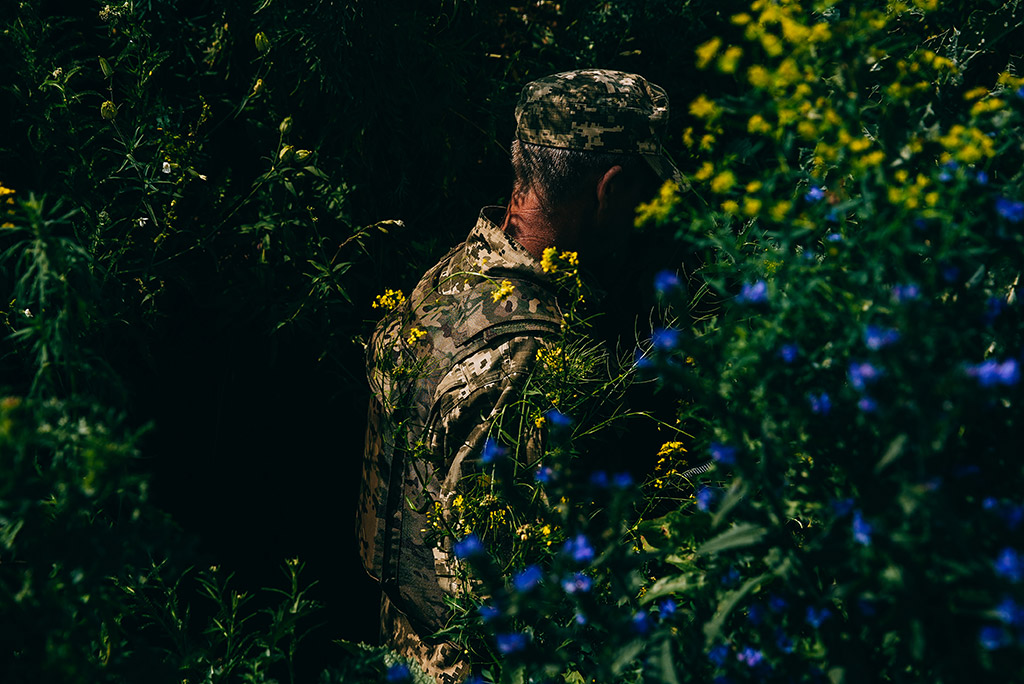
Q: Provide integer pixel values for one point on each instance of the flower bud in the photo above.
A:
(105, 67)
(286, 125)
(286, 154)
(258, 86)
(302, 155)
(108, 110)
(262, 42)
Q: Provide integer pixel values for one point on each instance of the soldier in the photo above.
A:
(447, 361)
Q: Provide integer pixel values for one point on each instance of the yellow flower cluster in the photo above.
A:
(966, 145)
(503, 291)
(415, 335)
(7, 196)
(552, 360)
(390, 300)
(554, 262)
(659, 208)
(912, 195)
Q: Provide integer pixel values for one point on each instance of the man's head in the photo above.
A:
(588, 148)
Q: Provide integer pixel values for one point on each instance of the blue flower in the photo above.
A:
(720, 453)
(815, 194)
(905, 293)
(750, 656)
(1010, 612)
(753, 293)
(950, 273)
(622, 480)
(730, 577)
(945, 176)
(789, 352)
(557, 419)
(861, 529)
(1010, 565)
(527, 579)
(867, 607)
(867, 404)
(492, 452)
(777, 603)
(862, 373)
(820, 403)
(876, 337)
(666, 608)
(510, 642)
(1011, 210)
(992, 637)
(577, 583)
(665, 339)
(842, 506)
(487, 612)
(468, 547)
(544, 474)
(783, 642)
(705, 497)
(993, 307)
(666, 282)
(641, 622)
(599, 478)
(579, 548)
(718, 655)
(755, 613)
(992, 372)
(816, 616)
(581, 619)
(982, 178)
(834, 237)
(399, 673)
(1020, 92)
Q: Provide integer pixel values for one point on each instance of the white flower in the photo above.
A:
(202, 177)
(142, 221)
(28, 313)
(166, 167)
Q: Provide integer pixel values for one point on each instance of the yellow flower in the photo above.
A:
(723, 182)
(759, 76)
(975, 93)
(731, 207)
(552, 262)
(706, 52)
(740, 19)
(727, 62)
(771, 44)
(658, 208)
(671, 449)
(688, 136)
(757, 124)
(873, 159)
(390, 300)
(780, 209)
(982, 106)
(860, 144)
(754, 186)
(539, 422)
(703, 108)
(707, 142)
(705, 171)
(415, 335)
(502, 292)
(751, 206)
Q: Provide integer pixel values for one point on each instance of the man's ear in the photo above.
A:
(607, 186)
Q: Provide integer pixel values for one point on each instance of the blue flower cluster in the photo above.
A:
(753, 293)
(720, 453)
(1011, 210)
(990, 373)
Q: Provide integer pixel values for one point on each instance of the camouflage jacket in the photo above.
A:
(441, 368)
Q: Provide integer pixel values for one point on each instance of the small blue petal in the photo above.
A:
(666, 282)
(468, 547)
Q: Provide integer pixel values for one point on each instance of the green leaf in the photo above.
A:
(734, 537)
(891, 453)
(668, 668)
(666, 586)
(714, 626)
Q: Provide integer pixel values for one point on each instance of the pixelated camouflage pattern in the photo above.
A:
(593, 109)
(440, 659)
(434, 400)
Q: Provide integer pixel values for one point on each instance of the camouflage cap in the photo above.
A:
(600, 110)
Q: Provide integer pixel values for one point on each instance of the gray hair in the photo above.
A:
(558, 174)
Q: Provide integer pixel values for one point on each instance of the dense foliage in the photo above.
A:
(847, 354)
